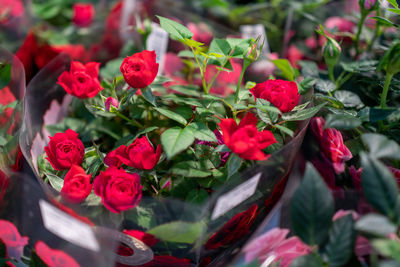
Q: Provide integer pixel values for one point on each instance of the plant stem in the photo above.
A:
(202, 72)
(359, 29)
(385, 91)
(246, 63)
(330, 72)
(131, 121)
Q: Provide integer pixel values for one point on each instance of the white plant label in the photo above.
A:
(236, 196)
(67, 227)
(158, 41)
(253, 31)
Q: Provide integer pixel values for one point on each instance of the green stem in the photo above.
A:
(377, 30)
(202, 72)
(359, 29)
(246, 63)
(330, 72)
(131, 121)
(385, 91)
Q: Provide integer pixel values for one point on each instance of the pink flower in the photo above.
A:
(14, 242)
(110, 101)
(294, 54)
(356, 177)
(201, 32)
(274, 244)
(10, 9)
(331, 143)
(172, 64)
(341, 213)
(341, 24)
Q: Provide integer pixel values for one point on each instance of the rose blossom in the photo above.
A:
(235, 229)
(54, 257)
(110, 101)
(119, 190)
(10, 9)
(274, 244)
(331, 143)
(140, 155)
(244, 139)
(201, 32)
(83, 14)
(7, 97)
(282, 94)
(65, 150)
(14, 242)
(82, 80)
(140, 69)
(77, 185)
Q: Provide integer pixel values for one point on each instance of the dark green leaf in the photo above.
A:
(190, 169)
(306, 84)
(175, 140)
(176, 30)
(384, 21)
(341, 241)
(202, 132)
(220, 46)
(375, 114)
(178, 231)
(309, 69)
(375, 224)
(307, 260)
(191, 90)
(239, 46)
(197, 196)
(56, 182)
(331, 100)
(144, 131)
(380, 146)
(379, 186)
(5, 74)
(286, 68)
(284, 130)
(342, 122)
(325, 86)
(234, 163)
(360, 66)
(172, 115)
(312, 208)
(148, 95)
(349, 99)
(111, 69)
(302, 114)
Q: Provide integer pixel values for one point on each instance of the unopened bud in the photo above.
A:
(331, 52)
(111, 103)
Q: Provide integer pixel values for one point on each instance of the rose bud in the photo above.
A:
(110, 101)
(119, 190)
(331, 52)
(65, 150)
(82, 80)
(77, 186)
(140, 69)
(54, 257)
(282, 94)
(331, 143)
(244, 139)
(83, 14)
(140, 155)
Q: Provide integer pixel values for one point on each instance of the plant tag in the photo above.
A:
(236, 196)
(158, 41)
(67, 227)
(253, 31)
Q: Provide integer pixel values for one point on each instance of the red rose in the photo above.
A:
(82, 80)
(83, 14)
(331, 143)
(14, 242)
(7, 97)
(65, 150)
(54, 257)
(140, 155)
(282, 94)
(148, 239)
(140, 69)
(118, 189)
(244, 139)
(235, 229)
(4, 181)
(167, 261)
(77, 185)
(201, 32)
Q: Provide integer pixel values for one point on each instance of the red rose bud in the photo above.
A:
(140, 69)
(77, 186)
(83, 14)
(54, 257)
(244, 139)
(82, 80)
(331, 143)
(140, 155)
(282, 94)
(119, 190)
(110, 101)
(65, 150)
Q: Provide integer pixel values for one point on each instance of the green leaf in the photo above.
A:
(111, 69)
(380, 146)
(191, 90)
(341, 241)
(331, 100)
(202, 132)
(190, 169)
(266, 112)
(286, 68)
(312, 208)
(56, 182)
(349, 99)
(234, 163)
(384, 21)
(306, 84)
(379, 186)
(397, 11)
(302, 114)
(172, 115)
(309, 69)
(306, 260)
(197, 196)
(161, 80)
(176, 139)
(5, 74)
(176, 30)
(375, 224)
(388, 248)
(144, 131)
(394, 3)
(92, 200)
(148, 95)
(220, 46)
(178, 232)
(360, 66)
(375, 114)
(325, 86)
(284, 130)
(342, 122)
(239, 46)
